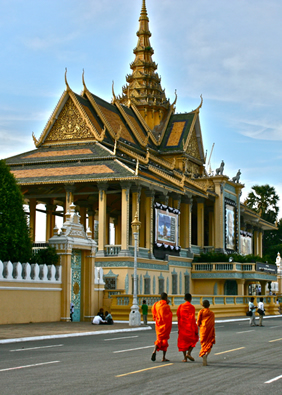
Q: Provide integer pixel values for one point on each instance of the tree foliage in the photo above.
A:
(48, 256)
(15, 242)
(264, 199)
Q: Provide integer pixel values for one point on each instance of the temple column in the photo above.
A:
(184, 228)
(142, 218)
(91, 213)
(241, 287)
(177, 204)
(32, 218)
(219, 235)
(50, 220)
(211, 228)
(82, 213)
(149, 207)
(260, 249)
(125, 225)
(102, 207)
(256, 241)
(200, 222)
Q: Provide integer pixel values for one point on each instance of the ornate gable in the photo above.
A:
(193, 146)
(70, 125)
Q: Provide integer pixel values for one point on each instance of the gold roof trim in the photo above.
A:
(143, 142)
(100, 113)
(149, 156)
(52, 119)
(190, 132)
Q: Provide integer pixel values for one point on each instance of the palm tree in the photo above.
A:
(264, 201)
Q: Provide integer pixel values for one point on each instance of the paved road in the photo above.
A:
(245, 360)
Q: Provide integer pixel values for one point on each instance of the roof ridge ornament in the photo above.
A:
(198, 108)
(114, 96)
(83, 82)
(66, 81)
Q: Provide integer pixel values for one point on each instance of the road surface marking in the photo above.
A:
(118, 338)
(28, 366)
(133, 349)
(221, 326)
(143, 370)
(275, 340)
(224, 352)
(275, 379)
(251, 330)
(174, 332)
(35, 348)
(271, 327)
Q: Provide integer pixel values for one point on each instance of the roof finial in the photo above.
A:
(66, 81)
(83, 82)
(114, 96)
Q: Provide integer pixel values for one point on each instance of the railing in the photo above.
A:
(222, 305)
(29, 272)
(235, 266)
(112, 249)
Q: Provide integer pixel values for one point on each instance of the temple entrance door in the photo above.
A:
(230, 287)
(76, 283)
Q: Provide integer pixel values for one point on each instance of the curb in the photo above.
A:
(80, 334)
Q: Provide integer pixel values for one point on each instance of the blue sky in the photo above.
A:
(228, 51)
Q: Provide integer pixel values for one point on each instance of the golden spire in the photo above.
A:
(143, 88)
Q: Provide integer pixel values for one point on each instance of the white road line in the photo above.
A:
(251, 330)
(36, 348)
(133, 349)
(275, 379)
(118, 338)
(271, 327)
(28, 366)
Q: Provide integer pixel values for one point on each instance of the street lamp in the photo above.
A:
(134, 316)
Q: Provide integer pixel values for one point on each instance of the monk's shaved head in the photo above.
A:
(163, 296)
(206, 304)
(188, 297)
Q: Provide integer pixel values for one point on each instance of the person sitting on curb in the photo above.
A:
(109, 318)
(97, 320)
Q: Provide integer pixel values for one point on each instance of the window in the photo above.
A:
(174, 284)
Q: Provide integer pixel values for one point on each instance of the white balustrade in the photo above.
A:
(26, 272)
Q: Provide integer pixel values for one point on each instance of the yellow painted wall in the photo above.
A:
(24, 306)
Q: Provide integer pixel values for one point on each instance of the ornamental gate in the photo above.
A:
(76, 283)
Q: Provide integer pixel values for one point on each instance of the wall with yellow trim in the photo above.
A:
(29, 305)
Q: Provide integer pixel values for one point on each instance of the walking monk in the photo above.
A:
(187, 328)
(163, 317)
(207, 334)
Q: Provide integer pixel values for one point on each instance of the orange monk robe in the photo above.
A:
(187, 327)
(163, 317)
(207, 333)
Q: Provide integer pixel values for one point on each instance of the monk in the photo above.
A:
(207, 334)
(187, 328)
(162, 315)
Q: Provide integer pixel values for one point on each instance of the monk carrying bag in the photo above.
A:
(260, 312)
(249, 313)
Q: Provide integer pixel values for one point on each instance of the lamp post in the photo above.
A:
(134, 316)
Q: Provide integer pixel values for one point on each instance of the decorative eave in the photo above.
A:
(143, 142)
(100, 114)
(145, 160)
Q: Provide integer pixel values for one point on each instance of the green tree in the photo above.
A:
(15, 242)
(263, 199)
